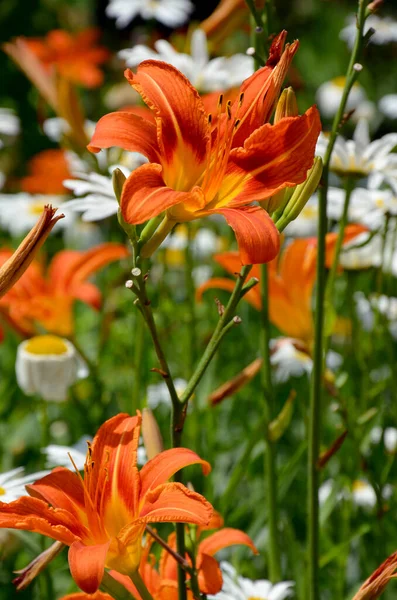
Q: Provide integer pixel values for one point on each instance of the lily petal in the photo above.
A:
(62, 489)
(173, 502)
(262, 89)
(87, 565)
(210, 575)
(145, 195)
(273, 157)
(83, 596)
(70, 269)
(257, 237)
(164, 465)
(182, 125)
(219, 283)
(127, 131)
(223, 539)
(114, 478)
(31, 514)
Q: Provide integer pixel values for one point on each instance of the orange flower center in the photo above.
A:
(221, 144)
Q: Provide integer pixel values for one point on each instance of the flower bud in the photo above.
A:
(301, 194)
(152, 439)
(286, 105)
(118, 181)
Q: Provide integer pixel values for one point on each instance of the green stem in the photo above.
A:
(380, 273)
(225, 323)
(190, 297)
(149, 230)
(157, 238)
(313, 526)
(270, 454)
(179, 406)
(114, 588)
(138, 356)
(180, 545)
(338, 247)
(241, 465)
(140, 586)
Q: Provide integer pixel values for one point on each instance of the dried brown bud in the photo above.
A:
(377, 582)
(38, 564)
(17, 264)
(234, 385)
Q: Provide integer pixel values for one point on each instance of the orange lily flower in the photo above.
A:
(74, 57)
(47, 172)
(209, 574)
(103, 516)
(201, 165)
(83, 596)
(48, 299)
(291, 281)
(163, 584)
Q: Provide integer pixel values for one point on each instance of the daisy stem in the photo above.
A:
(349, 186)
(313, 525)
(140, 586)
(270, 455)
(190, 300)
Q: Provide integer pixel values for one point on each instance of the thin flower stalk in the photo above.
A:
(313, 525)
(339, 242)
(270, 458)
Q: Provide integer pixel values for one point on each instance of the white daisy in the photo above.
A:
(361, 157)
(388, 106)
(98, 200)
(56, 127)
(9, 124)
(48, 365)
(19, 212)
(385, 30)
(172, 13)
(58, 456)
(305, 225)
(368, 307)
(158, 393)
(289, 361)
(365, 251)
(390, 439)
(368, 207)
(329, 94)
(13, 487)
(363, 494)
(206, 75)
(240, 588)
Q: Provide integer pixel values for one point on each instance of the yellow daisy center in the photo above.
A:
(359, 485)
(36, 208)
(380, 202)
(46, 344)
(339, 81)
(309, 212)
(2, 491)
